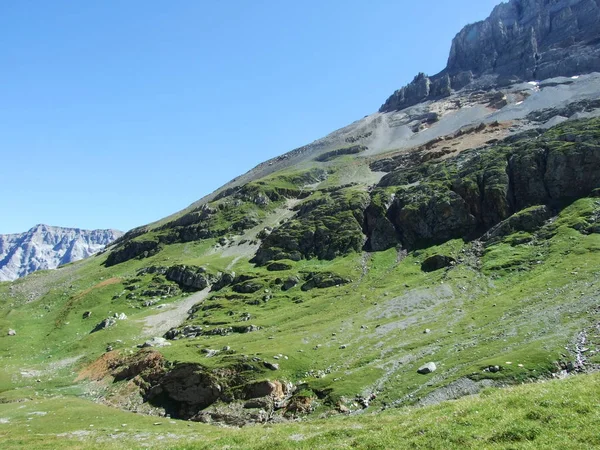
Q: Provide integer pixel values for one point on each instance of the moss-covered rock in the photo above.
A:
(132, 249)
(322, 280)
(465, 196)
(325, 227)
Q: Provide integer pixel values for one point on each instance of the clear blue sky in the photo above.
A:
(117, 113)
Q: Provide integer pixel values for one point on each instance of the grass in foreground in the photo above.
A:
(557, 414)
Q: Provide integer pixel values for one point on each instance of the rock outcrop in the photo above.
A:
(469, 195)
(46, 247)
(521, 40)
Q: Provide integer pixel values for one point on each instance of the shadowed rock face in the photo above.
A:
(531, 39)
(522, 39)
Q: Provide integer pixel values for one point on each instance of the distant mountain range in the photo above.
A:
(47, 247)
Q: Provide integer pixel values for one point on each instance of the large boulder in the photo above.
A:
(427, 368)
(131, 250)
(189, 277)
(437, 262)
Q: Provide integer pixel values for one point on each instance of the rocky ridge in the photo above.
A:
(522, 40)
(47, 247)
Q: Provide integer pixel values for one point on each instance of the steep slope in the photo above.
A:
(46, 247)
(415, 256)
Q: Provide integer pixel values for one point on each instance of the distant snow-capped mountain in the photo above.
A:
(47, 247)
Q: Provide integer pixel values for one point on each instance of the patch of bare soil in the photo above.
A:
(101, 368)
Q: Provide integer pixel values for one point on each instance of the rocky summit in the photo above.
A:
(445, 246)
(46, 247)
(521, 40)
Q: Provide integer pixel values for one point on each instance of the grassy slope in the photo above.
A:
(524, 300)
(557, 414)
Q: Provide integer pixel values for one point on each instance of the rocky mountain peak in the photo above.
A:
(520, 40)
(47, 247)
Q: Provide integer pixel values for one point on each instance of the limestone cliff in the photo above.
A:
(521, 40)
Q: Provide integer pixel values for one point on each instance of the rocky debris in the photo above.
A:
(322, 280)
(365, 401)
(437, 262)
(455, 390)
(192, 331)
(220, 414)
(157, 342)
(427, 368)
(520, 41)
(120, 316)
(189, 331)
(11, 332)
(573, 108)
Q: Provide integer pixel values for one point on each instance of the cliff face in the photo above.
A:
(522, 39)
(46, 247)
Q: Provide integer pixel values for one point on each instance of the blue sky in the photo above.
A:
(114, 114)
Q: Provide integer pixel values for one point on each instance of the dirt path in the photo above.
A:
(173, 315)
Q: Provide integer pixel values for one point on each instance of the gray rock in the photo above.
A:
(289, 283)
(521, 40)
(531, 39)
(87, 314)
(271, 366)
(189, 277)
(12, 332)
(157, 342)
(437, 262)
(106, 323)
(427, 368)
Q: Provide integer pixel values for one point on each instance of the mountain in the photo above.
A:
(444, 246)
(46, 247)
(521, 40)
